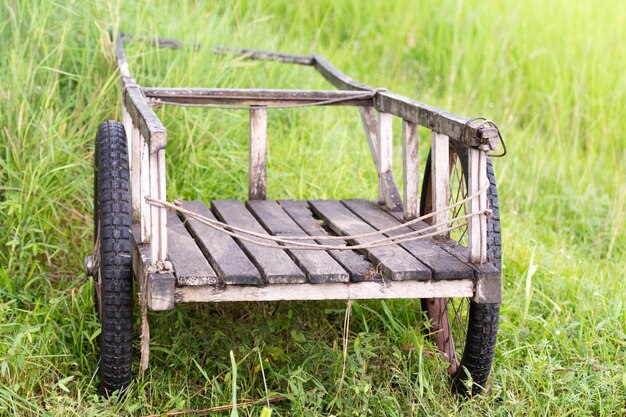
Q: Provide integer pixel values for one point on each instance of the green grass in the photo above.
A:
(550, 73)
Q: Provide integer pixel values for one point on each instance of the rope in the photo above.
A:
(291, 242)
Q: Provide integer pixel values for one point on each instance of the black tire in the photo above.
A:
(113, 275)
(462, 328)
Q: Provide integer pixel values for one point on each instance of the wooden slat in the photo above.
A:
(331, 291)
(477, 225)
(223, 253)
(411, 170)
(258, 153)
(190, 265)
(275, 265)
(158, 215)
(318, 266)
(145, 190)
(135, 174)
(442, 264)
(265, 55)
(392, 198)
(258, 96)
(440, 177)
(385, 154)
(392, 260)
(359, 268)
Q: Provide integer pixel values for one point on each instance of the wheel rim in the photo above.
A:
(449, 316)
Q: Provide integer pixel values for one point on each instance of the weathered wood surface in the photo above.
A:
(441, 263)
(412, 110)
(257, 154)
(393, 261)
(158, 215)
(477, 225)
(258, 96)
(387, 188)
(359, 268)
(223, 253)
(444, 122)
(144, 178)
(144, 118)
(411, 170)
(265, 55)
(318, 266)
(190, 265)
(329, 291)
(158, 286)
(275, 265)
(440, 180)
(369, 117)
(135, 174)
(488, 278)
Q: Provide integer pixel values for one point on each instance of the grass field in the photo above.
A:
(550, 73)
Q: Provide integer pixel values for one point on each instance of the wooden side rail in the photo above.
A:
(258, 97)
(147, 139)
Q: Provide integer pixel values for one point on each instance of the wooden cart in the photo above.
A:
(207, 251)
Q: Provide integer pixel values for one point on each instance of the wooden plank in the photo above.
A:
(145, 190)
(359, 268)
(385, 154)
(328, 291)
(392, 198)
(411, 170)
(275, 265)
(143, 117)
(369, 117)
(258, 153)
(393, 261)
(158, 215)
(336, 77)
(265, 55)
(318, 266)
(190, 265)
(135, 174)
(223, 253)
(441, 263)
(477, 225)
(440, 177)
(436, 119)
(258, 96)
(412, 110)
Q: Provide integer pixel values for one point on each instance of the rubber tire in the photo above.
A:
(482, 326)
(112, 216)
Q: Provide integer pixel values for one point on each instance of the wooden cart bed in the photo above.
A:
(209, 265)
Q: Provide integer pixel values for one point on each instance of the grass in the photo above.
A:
(551, 74)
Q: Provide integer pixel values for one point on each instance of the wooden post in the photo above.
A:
(440, 177)
(127, 121)
(387, 189)
(411, 169)
(477, 225)
(369, 117)
(258, 153)
(144, 208)
(135, 172)
(158, 215)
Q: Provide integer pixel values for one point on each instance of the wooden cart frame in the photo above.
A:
(158, 251)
